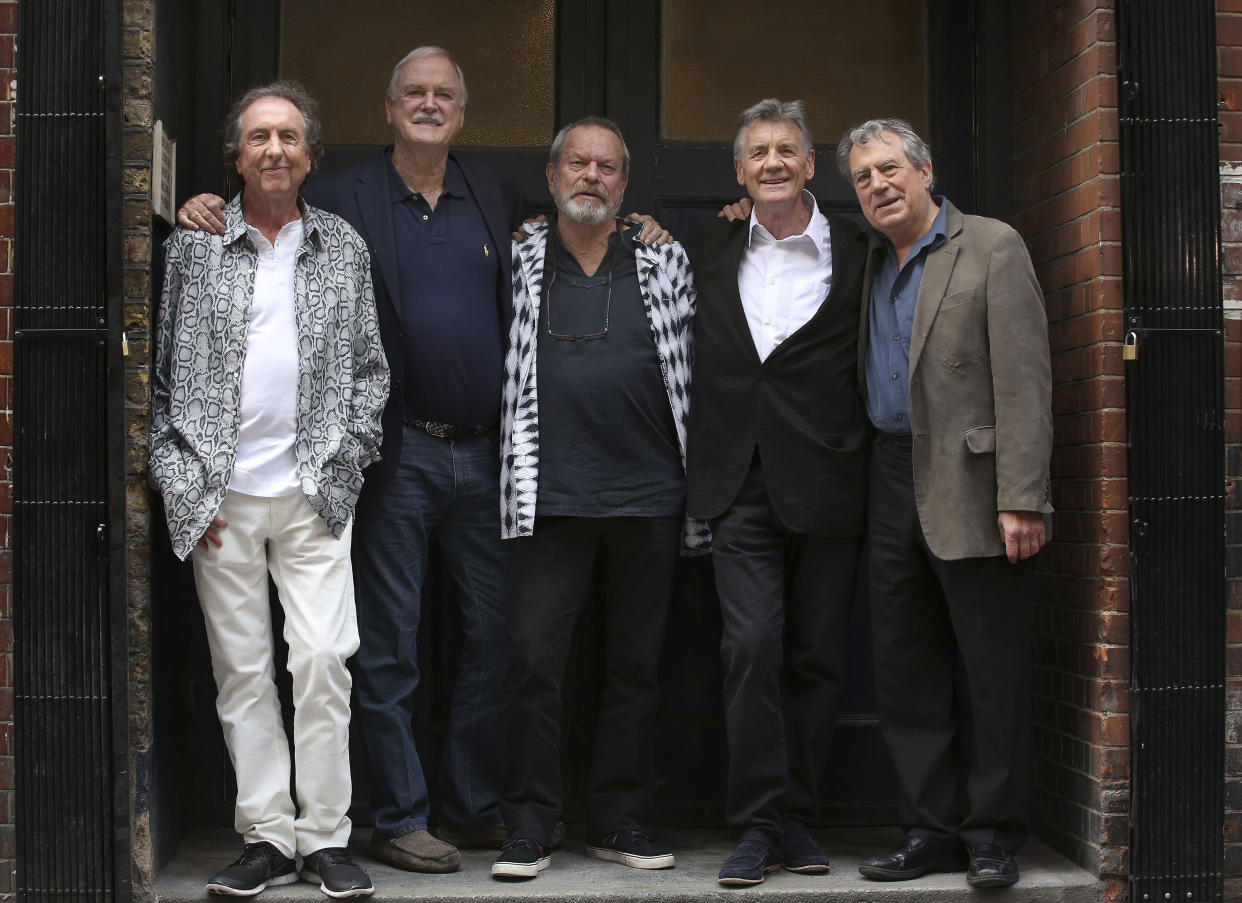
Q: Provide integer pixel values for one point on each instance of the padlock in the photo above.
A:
(1129, 351)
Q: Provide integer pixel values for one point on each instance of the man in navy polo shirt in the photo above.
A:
(434, 225)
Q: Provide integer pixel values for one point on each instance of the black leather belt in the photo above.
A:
(448, 431)
(900, 440)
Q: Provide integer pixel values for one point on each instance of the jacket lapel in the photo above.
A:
(371, 193)
(495, 213)
(875, 254)
(730, 260)
(935, 283)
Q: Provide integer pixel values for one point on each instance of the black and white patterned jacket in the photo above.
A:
(667, 287)
(200, 347)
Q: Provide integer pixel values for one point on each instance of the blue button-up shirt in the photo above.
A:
(891, 323)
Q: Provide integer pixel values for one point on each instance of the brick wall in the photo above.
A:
(1229, 55)
(1066, 206)
(8, 87)
(138, 52)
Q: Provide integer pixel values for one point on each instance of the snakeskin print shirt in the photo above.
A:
(200, 346)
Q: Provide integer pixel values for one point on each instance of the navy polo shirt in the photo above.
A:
(449, 269)
(891, 312)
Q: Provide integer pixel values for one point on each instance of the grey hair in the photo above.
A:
(917, 151)
(419, 53)
(773, 110)
(285, 89)
(558, 143)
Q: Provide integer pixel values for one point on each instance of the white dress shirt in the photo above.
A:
(266, 465)
(783, 281)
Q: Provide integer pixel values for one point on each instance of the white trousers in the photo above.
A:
(314, 580)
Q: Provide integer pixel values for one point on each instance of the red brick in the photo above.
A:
(1228, 30)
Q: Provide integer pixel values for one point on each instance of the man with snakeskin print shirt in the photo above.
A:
(267, 391)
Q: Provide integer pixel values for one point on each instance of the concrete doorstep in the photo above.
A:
(1047, 877)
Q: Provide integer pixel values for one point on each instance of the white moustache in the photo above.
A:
(588, 188)
(435, 118)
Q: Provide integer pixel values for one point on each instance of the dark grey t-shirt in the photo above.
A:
(607, 444)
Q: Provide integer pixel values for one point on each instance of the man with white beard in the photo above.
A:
(592, 481)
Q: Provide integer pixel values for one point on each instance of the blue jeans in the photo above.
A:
(452, 488)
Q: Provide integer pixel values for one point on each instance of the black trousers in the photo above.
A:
(551, 574)
(784, 603)
(925, 612)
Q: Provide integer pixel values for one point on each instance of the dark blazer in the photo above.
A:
(360, 195)
(800, 408)
(980, 385)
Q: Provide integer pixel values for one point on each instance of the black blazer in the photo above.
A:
(800, 408)
(359, 194)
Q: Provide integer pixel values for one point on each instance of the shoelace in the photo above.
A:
(331, 856)
(260, 854)
(628, 837)
(514, 843)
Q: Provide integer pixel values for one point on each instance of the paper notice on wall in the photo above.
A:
(163, 174)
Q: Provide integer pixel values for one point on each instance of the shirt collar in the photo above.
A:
(454, 181)
(933, 237)
(235, 226)
(816, 230)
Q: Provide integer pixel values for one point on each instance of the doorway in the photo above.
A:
(674, 74)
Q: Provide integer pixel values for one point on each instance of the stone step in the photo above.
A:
(1047, 877)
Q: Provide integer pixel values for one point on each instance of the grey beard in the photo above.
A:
(585, 212)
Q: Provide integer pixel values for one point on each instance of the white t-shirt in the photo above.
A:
(784, 281)
(266, 465)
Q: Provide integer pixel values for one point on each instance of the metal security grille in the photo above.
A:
(68, 477)
(1170, 212)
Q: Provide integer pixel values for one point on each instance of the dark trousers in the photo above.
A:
(925, 612)
(784, 603)
(552, 572)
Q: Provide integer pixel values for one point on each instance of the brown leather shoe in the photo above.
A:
(417, 851)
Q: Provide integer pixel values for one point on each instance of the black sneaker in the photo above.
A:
(521, 857)
(336, 873)
(630, 847)
(259, 865)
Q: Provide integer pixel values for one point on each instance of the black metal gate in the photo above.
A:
(1170, 209)
(70, 712)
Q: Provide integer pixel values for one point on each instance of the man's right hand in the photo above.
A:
(203, 211)
(212, 533)
(739, 209)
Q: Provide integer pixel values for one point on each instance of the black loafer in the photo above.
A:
(802, 854)
(991, 866)
(914, 858)
(748, 864)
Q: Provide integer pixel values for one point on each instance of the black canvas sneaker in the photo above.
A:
(630, 847)
(521, 857)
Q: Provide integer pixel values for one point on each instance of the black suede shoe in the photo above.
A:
(260, 865)
(748, 864)
(802, 854)
(914, 858)
(991, 866)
